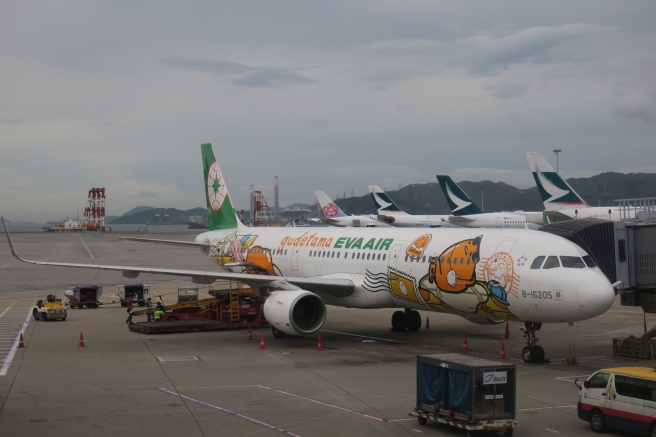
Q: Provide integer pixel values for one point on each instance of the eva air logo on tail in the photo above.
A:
(216, 188)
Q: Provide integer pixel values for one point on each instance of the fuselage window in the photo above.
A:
(406, 257)
(552, 262)
(572, 262)
(285, 251)
(353, 255)
(589, 261)
(368, 256)
(332, 254)
(468, 261)
(423, 259)
(358, 255)
(384, 256)
(338, 254)
(448, 260)
(379, 257)
(462, 261)
(537, 262)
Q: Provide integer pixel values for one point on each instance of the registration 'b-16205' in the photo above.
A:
(486, 276)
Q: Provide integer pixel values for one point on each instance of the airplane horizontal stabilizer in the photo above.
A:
(460, 220)
(385, 218)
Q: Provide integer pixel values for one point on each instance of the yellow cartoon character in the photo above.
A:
(417, 248)
(455, 269)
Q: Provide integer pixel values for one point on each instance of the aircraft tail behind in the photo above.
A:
(384, 204)
(458, 201)
(554, 191)
(220, 212)
(330, 209)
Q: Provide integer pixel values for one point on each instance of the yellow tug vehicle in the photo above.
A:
(51, 309)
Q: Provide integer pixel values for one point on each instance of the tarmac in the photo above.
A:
(219, 383)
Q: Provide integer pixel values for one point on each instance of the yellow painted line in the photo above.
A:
(85, 246)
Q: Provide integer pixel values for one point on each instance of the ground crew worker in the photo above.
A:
(149, 306)
(158, 315)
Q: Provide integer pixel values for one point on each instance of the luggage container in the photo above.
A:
(187, 294)
(466, 392)
(85, 295)
(138, 292)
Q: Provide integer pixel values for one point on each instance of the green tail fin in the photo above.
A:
(220, 212)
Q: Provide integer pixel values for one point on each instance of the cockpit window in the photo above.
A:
(552, 262)
(537, 262)
(589, 261)
(572, 262)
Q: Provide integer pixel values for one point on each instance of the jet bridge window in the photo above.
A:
(552, 262)
(572, 262)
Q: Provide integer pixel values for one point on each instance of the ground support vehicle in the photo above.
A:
(466, 392)
(51, 309)
(86, 295)
(621, 398)
(137, 292)
(229, 310)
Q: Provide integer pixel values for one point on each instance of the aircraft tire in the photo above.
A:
(528, 354)
(278, 333)
(414, 322)
(539, 353)
(399, 321)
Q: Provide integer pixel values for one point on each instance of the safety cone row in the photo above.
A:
(319, 345)
(427, 323)
(81, 343)
(250, 334)
(262, 345)
(20, 344)
(507, 334)
(502, 354)
(465, 348)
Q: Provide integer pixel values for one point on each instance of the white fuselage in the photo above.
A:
(356, 221)
(599, 212)
(485, 273)
(494, 220)
(417, 221)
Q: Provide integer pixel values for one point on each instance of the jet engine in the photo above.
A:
(295, 312)
(481, 321)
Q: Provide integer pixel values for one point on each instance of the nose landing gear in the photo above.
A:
(532, 353)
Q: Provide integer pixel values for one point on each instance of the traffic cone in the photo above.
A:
(427, 323)
(465, 348)
(81, 343)
(507, 334)
(319, 345)
(250, 335)
(502, 354)
(20, 344)
(262, 345)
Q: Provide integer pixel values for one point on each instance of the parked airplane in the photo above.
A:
(389, 212)
(560, 200)
(336, 217)
(486, 276)
(467, 213)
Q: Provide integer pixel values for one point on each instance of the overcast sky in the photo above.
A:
(328, 95)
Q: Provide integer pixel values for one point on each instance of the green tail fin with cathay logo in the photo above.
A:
(220, 212)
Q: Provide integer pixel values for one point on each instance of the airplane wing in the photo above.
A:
(557, 216)
(339, 287)
(460, 220)
(169, 242)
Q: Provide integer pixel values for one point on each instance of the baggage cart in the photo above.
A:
(471, 393)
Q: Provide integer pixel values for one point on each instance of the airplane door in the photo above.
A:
(498, 224)
(394, 255)
(295, 258)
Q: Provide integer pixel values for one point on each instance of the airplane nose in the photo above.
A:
(595, 296)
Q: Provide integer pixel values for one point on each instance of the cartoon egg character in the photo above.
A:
(455, 269)
(261, 257)
(417, 248)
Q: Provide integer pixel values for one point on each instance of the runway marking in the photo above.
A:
(552, 430)
(546, 408)
(85, 246)
(12, 352)
(363, 336)
(349, 410)
(232, 413)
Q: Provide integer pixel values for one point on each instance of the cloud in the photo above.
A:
(507, 90)
(405, 45)
(242, 75)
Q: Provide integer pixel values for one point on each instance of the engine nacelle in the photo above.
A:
(295, 312)
(481, 321)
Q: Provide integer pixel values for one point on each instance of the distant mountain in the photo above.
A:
(138, 209)
(599, 190)
(159, 216)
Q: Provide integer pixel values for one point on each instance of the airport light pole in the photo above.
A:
(557, 151)
(482, 198)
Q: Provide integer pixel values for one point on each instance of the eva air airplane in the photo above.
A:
(486, 276)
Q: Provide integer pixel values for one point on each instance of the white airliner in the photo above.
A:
(336, 217)
(389, 212)
(486, 276)
(467, 213)
(560, 200)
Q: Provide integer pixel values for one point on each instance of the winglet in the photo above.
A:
(11, 243)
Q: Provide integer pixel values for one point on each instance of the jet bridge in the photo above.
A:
(624, 250)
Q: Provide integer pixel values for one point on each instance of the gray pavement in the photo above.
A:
(219, 383)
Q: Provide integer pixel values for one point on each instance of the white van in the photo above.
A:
(621, 398)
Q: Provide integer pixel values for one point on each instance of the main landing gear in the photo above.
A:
(409, 320)
(532, 353)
